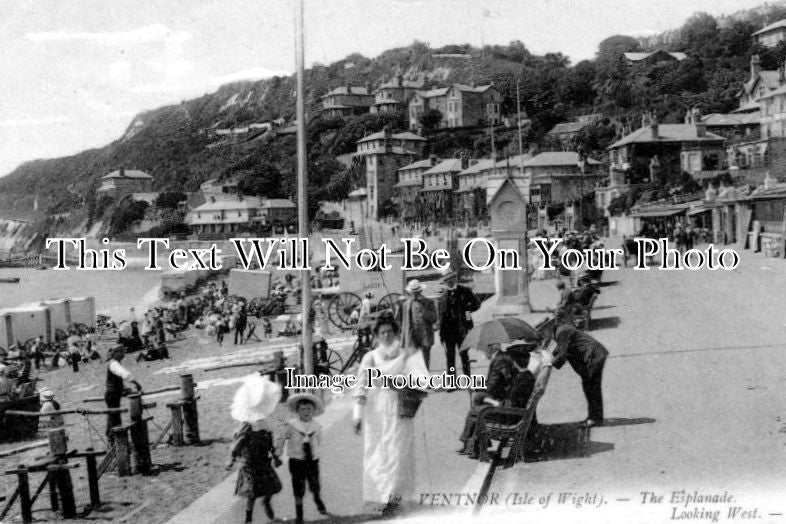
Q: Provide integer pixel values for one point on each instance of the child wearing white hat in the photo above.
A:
(254, 401)
(303, 436)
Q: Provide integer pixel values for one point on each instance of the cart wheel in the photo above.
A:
(334, 362)
(389, 301)
(340, 309)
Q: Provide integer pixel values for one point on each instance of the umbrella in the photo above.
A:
(499, 331)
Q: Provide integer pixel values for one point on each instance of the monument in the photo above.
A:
(508, 211)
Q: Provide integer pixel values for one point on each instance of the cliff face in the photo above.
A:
(172, 142)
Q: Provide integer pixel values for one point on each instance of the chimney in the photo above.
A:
(433, 159)
(400, 80)
(654, 129)
(212, 200)
(701, 129)
(388, 131)
(755, 66)
(122, 171)
(464, 162)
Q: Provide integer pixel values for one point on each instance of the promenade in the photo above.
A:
(693, 388)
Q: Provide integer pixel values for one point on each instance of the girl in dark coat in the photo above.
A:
(253, 443)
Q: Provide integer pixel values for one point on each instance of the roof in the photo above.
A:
(436, 188)
(348, 90)
(568, 127)
(777, 192)
(666, 133)
(406, 84)
(222, 205)
(514, 161)
(397, 136)
(396, 150)
(775, 92)
(777, 25)
(452, 165)
(730, 119)
(417, 165)
(431, 93)
(472, 89)
(484, 164)
(358, 193)
(770, 79)
(276, 203)
(750, 107)
(127, 173)
(663, 212)
(557, 158)
(637, 57)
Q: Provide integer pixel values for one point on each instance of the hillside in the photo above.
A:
(171, 143)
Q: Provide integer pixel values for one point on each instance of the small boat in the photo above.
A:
(12, 280)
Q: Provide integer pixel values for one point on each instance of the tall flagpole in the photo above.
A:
(525, 254)
(302, 198)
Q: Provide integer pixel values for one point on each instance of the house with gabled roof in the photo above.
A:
(395, 94)
(346, 101)
(770, 35)
(410, 182)
(760, 82)
(424, 101)
(439, 188)
(123, 182)
(473, 105)
(655, 151)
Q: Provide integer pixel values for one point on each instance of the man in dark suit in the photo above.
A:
(455, 320)
(587, 357)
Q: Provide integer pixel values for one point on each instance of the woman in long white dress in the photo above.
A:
(389, 440)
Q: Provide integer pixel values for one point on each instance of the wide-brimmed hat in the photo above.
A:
(447, 275)
(414, 286)
(255, 399)
(47, 394)
(293, 400)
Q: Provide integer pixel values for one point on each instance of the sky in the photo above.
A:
(75, 72)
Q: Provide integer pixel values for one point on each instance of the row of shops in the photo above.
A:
(738, 216)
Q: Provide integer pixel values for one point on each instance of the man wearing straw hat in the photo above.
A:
(416, 318)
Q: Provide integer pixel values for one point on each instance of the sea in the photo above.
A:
(115, 292)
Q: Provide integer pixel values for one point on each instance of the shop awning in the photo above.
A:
(657, 213)
(698, 211)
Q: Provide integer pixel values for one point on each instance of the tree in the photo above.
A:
(170, 200)
(612, 47)
(430, 119)
(126, 213)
